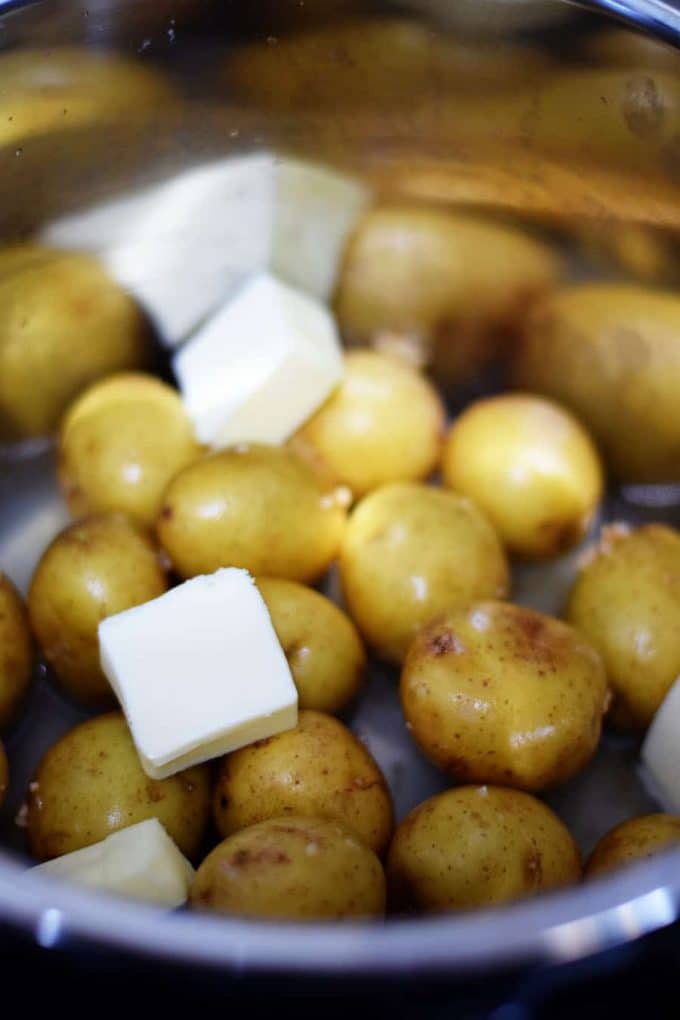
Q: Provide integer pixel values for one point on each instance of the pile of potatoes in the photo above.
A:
(423, 519)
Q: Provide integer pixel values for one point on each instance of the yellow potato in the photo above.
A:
(383, 423)
(634, 840)
(292, 868)
(252, 506)
(321, 644)
(611, 353)
(456, 284)
(626, 602)
(411, 552)
(93, 569)
(121, 442)
(531, 467)
(649, 255)
(478, 846)
(501, 694)
(318, 769)
(16, 652)
(90, 784)
(63, 324)
(619, 47)
(4, 773)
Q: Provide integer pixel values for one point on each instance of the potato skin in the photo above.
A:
(252, 506)
(322, 645)
(90, 784)
(633, 840)
(383, 423)
(93, 569)
(16, 652)
(411, 552)
(292, 868)
(63, 324)
(317, 769)
(4, 773)
(611, 353)
(532, 469)
(626, 602)
(497, 693)
(477, 846)
(120, 444)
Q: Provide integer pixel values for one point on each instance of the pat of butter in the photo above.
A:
(260, 367)
(198, 671)
(140, 861)
(181, 246)
(661, 751)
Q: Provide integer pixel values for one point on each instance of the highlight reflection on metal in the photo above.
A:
(651, 15)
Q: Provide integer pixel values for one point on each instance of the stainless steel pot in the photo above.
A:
(430, 126)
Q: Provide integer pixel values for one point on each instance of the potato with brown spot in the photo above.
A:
(626, 602)
(90, 784)
(411, 552)
(634, 840)
(291, 868)
(252, 506)
(93, 569)
(317, 769)
(4, 773)
(320, 642)
(16, 652)
(498, 693)
(477, 846)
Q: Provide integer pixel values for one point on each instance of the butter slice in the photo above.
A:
(140, 861)
(198, 671)
(661, 751)
(183, 245)
(260, 367)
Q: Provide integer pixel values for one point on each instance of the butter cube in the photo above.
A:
(661, 751)
(261, 366)
(140, 861)
(198, 671)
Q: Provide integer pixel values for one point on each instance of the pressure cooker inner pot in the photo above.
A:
(200, 202)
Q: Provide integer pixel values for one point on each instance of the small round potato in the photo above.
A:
(90, 784)
(121, 443)
(411, 552)
(63, 324)
(531, 467)
(498, 693)
(634, 840)
(251, 506)
(16, 652)
(454, 283)
(323, 648)
(93, 569)
(626, 602)
(476, 846)
(384, 423)
(319, 769)
(4, 773)
(611, 353)
(291, 868)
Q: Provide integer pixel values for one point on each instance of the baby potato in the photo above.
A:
(626, 602)
(531, 467)
(16, 652)
(4, 773)
(411, 552)
(476, 846)
(611, 353)
(633, 840)
(63, 324)
(318, 769)
(497, 693)
(90, 784)
(252, 506)
(93, 569)
(454, 283)
(121, 443)
(383, 423)
(321, 644)
(291, 868)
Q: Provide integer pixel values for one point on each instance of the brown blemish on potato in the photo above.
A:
(167, 513)
(255, 858)
(444, 643)
(533, 869)
(642, 107)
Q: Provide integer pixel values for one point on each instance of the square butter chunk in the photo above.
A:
(260, 366)
(660, 751)
(199, 671)
(140, 861)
